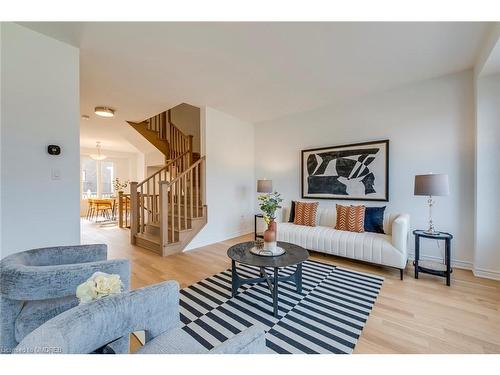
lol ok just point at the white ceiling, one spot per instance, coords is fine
(254, 71)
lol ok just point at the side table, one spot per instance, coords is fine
(446, 237)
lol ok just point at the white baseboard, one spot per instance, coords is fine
(454, 262)
(485, 273)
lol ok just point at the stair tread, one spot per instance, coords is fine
(176, 229)
(149, 237)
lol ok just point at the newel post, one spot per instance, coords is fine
(120, 209)
(164, 215)
(134, 212)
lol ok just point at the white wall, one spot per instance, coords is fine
(487, 247)
(153, 158)
(187, 118)
(228, 144)
(40, 106)
(430, 126)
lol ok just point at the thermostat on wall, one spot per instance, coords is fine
(54, 150)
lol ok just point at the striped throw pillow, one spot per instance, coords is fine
(305, 213)
(350, 218)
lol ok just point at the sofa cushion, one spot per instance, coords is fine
(291, 219)
(350, 218)
(326, 216)
(35, 313)
(374, 219)
(173, 342)
(305, 213)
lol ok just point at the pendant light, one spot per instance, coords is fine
(98, 156)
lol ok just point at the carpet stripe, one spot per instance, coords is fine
(334, 315)
(335, 308)
(234, 316)
(223, 323)
(324, 321)
(311, 337)
(357, 286)
(359, 276)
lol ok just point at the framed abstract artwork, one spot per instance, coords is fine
(357, 172)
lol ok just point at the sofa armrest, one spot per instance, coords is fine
(27, 283)
(400, 228)
(250, 341)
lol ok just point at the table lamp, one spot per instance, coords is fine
(264, 186)
(431, 185)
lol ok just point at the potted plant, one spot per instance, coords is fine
(269, 203)
(119, 186)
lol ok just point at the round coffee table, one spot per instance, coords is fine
(294, 255)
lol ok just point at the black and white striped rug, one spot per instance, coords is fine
(327, 317)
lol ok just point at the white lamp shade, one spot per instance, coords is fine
(264, 186)
(432, 184)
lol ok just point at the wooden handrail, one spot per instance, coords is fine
(186, 171)
(164, 168)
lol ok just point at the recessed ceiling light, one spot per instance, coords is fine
(104, 111)
(85, 117)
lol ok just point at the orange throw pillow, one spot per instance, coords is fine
(350, 218)
(305, 213)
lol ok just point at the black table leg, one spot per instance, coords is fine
(255, 228)
(417, 255)
(448, 261)
(298, 278)
(275, 292)
(234, 279)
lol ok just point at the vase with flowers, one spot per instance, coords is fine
(269, 203)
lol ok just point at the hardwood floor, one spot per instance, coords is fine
(409, 316)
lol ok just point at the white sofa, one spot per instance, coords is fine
(389, 249)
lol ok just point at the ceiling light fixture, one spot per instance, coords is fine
(98, 156)
(85, 117)
(104, 111)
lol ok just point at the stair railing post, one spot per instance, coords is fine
(163, 215)
(190, 148)
(120, 209)
(202, 181)
(134, 211)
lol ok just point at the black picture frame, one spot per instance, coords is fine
(385, 197)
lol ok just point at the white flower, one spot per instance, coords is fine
(86, 291)
(105, 285)
(97, 286)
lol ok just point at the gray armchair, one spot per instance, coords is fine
(153, 309)
(36, 285)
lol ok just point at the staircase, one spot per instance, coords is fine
(167, 209)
